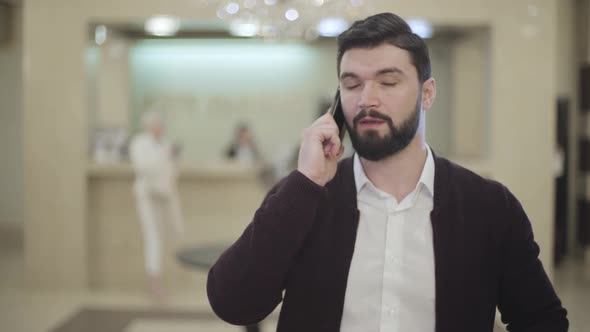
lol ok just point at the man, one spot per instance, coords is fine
(395, 238)
(156, 194)
(243, 148)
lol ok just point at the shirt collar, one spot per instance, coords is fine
(426, 177)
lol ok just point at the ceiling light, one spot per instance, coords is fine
(420, 27)
(243, 29)
(292, 14)
(332, 26)
(162, 26)
(232, 8)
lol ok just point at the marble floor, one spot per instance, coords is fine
(23, 310)
(572, 284)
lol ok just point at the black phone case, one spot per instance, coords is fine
(338, 114)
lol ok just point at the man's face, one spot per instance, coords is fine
(381, 98)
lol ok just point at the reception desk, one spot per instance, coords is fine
(218, 202)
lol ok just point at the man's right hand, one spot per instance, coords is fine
(320, 150)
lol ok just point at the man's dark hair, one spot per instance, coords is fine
(386, 28)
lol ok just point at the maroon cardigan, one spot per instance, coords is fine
(302, 239)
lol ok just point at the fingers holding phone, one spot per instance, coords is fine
(331, 138)
(321, 148)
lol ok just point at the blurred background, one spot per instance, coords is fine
(77, 79)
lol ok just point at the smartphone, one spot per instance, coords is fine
(338, 114)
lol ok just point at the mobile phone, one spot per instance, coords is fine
(338, 114)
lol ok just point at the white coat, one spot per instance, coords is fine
(156, 195)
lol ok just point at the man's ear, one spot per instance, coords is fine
(428, 93)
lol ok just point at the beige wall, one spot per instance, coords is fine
(470, 107)
(521, 121)
(11, 203)
(112, 83)
(522, 113)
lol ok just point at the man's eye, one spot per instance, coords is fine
(351, 86)
(389, 83)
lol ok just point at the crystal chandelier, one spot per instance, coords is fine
(291, 19)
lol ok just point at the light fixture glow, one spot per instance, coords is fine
(292, 14)
(100, 34)
(244, 29)
(232, 8)
(332, 26)
(420, 27)
(162, 26)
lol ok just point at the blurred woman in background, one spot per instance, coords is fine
(156, 193)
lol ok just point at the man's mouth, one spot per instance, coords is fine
(370, 122)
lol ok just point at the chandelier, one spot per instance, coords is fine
(291, 19)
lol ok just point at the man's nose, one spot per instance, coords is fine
(369, 96)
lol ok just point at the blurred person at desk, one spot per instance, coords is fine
(243, 148)
(158, 204)
(395, 238)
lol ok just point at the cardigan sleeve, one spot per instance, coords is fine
(527, 300)
(246, 283)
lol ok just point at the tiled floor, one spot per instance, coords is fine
(572, 283)
(143, 320)
(150, 325)
(35, 311)
(52, 311)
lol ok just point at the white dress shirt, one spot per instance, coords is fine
(391, 279)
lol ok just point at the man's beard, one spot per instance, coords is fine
(371, 146)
